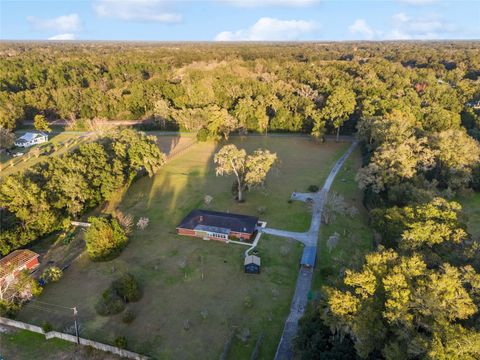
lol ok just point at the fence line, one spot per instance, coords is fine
(71, 338)
(177, 152)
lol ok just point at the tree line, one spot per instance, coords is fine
(48, 195)
(219, 88)
(416, 296)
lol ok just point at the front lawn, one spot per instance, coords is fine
(195, 291)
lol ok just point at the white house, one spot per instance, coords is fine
(29, 139)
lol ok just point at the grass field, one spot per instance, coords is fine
(65, 141)
(26, 345)
(355, 236)
(187, 279)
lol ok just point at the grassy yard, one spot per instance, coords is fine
(26, 345)
(64, 141)
(355, 236)
(187, 279)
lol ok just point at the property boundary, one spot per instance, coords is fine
(71, 338)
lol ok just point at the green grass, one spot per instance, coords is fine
(23, 344)
(213, 278)
(356, 237)
(471, 208)
(10, 165)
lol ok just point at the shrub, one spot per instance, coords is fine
(120, 342)
(202, 135)
(248, 302)
(128, 316)
(142, 223)
(313, 188)
(127, 288)
(46, 326)
(105, 239)
(52, 274)
(109, 304)
(126, 220)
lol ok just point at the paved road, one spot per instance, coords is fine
(305, 276)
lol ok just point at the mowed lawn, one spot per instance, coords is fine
(355, 238)
(195, 282)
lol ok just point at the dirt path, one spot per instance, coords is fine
(305, 276)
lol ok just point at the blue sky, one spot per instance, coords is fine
(238, 20)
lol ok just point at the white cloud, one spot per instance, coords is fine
(136, 10)
(361, 27)
(269, 29)
(66, 36)
(259, 3)
(67, 23)
(418, 2)
(418, 28)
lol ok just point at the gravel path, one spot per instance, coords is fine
(305, 276)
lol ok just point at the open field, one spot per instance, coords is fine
(187, 279)
(355, 236)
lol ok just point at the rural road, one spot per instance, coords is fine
(305, 276)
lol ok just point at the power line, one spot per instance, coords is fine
(50, 304)
(47, 310)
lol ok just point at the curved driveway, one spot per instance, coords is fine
(308, 238)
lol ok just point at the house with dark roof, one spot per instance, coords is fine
(215, 225)
(15, 262)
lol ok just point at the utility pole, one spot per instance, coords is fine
(75, 316)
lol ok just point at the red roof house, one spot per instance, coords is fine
(214, 225)
(15, 262)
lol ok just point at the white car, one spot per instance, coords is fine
(17, 154)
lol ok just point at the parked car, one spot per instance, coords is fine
(17, 154)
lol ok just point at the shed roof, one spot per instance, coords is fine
(15, 259)
(309, 256)
(252, 259)
(216, 219)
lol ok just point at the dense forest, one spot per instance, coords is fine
(414, 106)
(309, 88)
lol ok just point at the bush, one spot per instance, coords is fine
(109, 304)
(46, 326)
(128, 316)
(105, 239)
(313, 188)
(248, 302)
(202, 135)
(52, 274)
(120, 342)
(127, 288)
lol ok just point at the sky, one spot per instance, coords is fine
(239, 20)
